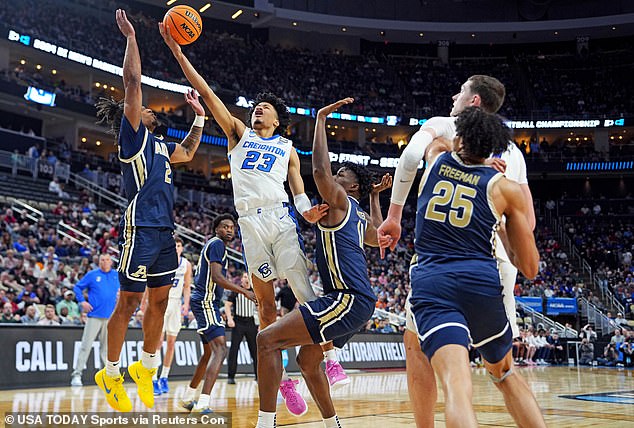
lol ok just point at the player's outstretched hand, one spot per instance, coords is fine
(389, 232)
(124, 25)
(325, 111)
(167, 37)
(386, 183)
(249, 295)
(315, 213)
(497, 164)
(191, 97)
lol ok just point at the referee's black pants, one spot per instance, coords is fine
(245, 327)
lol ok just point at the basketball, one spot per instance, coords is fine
(185, 24)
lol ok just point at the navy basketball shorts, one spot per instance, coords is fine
(147, 257)
(210, 323)
(462, 309)
(336, 316)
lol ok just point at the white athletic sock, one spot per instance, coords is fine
(284, 375)
(203, 401)
(165, 372)
(112, 368)
(190, 394)
(155, 376)
(266, 420)
(332, 422)
(331, 355)
(150, 361)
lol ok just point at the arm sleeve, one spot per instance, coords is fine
(131, 143)
(408, 165)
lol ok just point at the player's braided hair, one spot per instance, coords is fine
(222, 217)
(283, 116)
(482, 133)
(110, 111)
(365, 177)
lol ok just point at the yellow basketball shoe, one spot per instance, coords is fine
(143, 379)
(116, 396)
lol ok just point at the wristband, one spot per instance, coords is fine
(302, 203)
(199, 121)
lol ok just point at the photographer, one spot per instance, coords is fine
(610, 356)
(587, 352)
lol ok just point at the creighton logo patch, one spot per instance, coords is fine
(617, 397)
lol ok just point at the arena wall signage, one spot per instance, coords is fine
(44, 356)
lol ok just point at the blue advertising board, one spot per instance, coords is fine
(561, 305)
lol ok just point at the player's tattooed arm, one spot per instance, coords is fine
(184, 152)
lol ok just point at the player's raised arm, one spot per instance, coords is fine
(131, 71)
(232, 127)
(376, 217)
(184, 152)
(419, 147)
(330, 191)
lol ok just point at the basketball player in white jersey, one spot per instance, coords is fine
(179, 292)
(487, 93)
(261, 161)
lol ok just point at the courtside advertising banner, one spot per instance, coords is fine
(39, 356)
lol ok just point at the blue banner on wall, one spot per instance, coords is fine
(534, 303)
(561, 305)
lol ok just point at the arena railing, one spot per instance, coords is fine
(26, 210)
(602, 324)
(538, 318)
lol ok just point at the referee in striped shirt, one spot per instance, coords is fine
(242, 323)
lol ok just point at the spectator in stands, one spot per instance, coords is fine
(588, 333)
(619, 320)
(63, 317)
(610, 356)
(617, 338)
(137, 321)
(102, 287)
(49, 316)
(31, 316)
(27, 295)
(557, 348)
(586, 352)
(627, 348)
(8, 317)
(385, 327)
(71, 306)
(34, 151)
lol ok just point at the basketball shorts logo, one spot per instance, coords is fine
(141, 272)
(265, 270)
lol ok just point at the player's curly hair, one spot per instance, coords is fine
(365, 177)
(283, 115)
(110, 112)
(222, 217)
(482, 133)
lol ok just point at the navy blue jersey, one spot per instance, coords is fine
(205, 289)
(340, 255)
(455, 221)
(147, 177)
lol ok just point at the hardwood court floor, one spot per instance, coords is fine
(380, 399)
